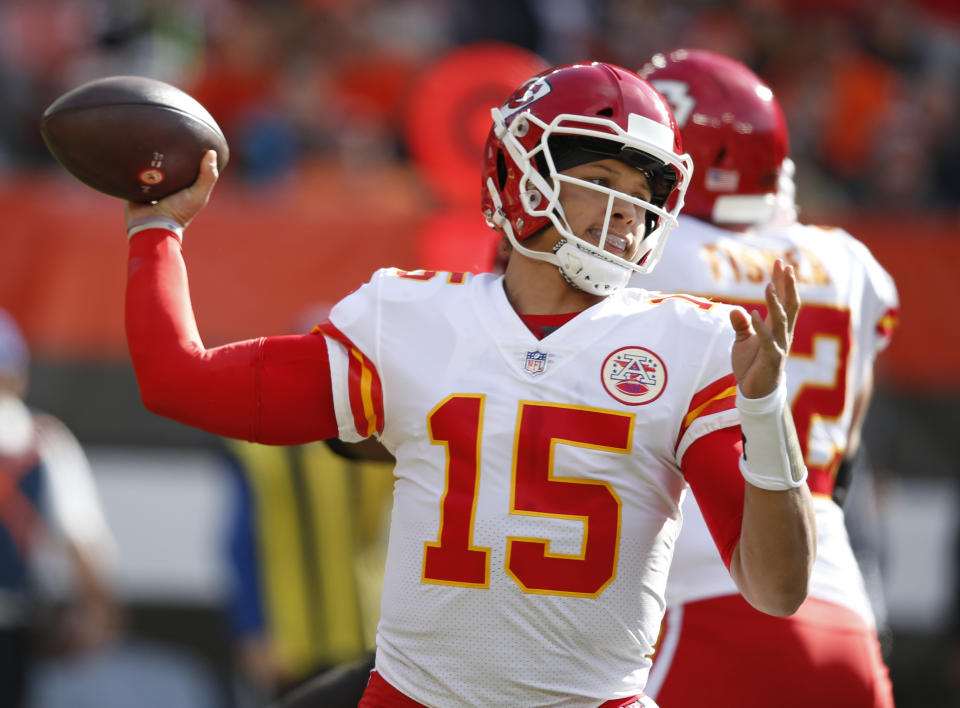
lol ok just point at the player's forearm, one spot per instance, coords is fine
(165, 347)
(774, 557)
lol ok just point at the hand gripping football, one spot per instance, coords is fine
(131, 137)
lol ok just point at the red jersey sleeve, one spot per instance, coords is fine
(711, 465)
(274, 390)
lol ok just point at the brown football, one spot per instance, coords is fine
(131, 137)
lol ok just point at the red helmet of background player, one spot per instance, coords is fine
(568, 116)
(733, 127)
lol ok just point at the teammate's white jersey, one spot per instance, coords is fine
(538, 482)
(848, 311)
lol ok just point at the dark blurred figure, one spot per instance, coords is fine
(513, 21)
(951, 660)
(46, 494)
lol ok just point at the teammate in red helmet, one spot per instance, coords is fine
(739, 218)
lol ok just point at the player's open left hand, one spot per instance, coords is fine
(762, 345)
(181, 206)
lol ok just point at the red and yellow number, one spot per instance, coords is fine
(815, 400)
(453, 559)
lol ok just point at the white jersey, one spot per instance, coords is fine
(538, 482)
(848, 310)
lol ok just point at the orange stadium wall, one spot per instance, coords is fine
(258, 258)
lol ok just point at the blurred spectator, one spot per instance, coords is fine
(238, 83)
(513, 21)
(861, 92)
(46, 493)
(50, 46)
(951, 658)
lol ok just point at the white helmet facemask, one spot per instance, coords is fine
(586, 265)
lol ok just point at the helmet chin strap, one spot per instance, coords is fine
(587, 271)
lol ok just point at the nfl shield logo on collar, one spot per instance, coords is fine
(536, 363)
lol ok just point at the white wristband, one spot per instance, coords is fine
(135, 226)
(771, 452)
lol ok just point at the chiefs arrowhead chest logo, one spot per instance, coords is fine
(634, 375)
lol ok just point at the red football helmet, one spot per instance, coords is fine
(567, 116)
(734, 129)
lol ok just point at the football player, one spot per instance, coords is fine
(739, 219)
(48, 501)
(545, 422)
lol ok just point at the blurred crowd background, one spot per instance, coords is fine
(869, 88)
(327, 106)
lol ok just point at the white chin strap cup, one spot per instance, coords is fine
(771, 451)
(588, 271)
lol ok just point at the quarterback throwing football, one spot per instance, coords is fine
(546, 423)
